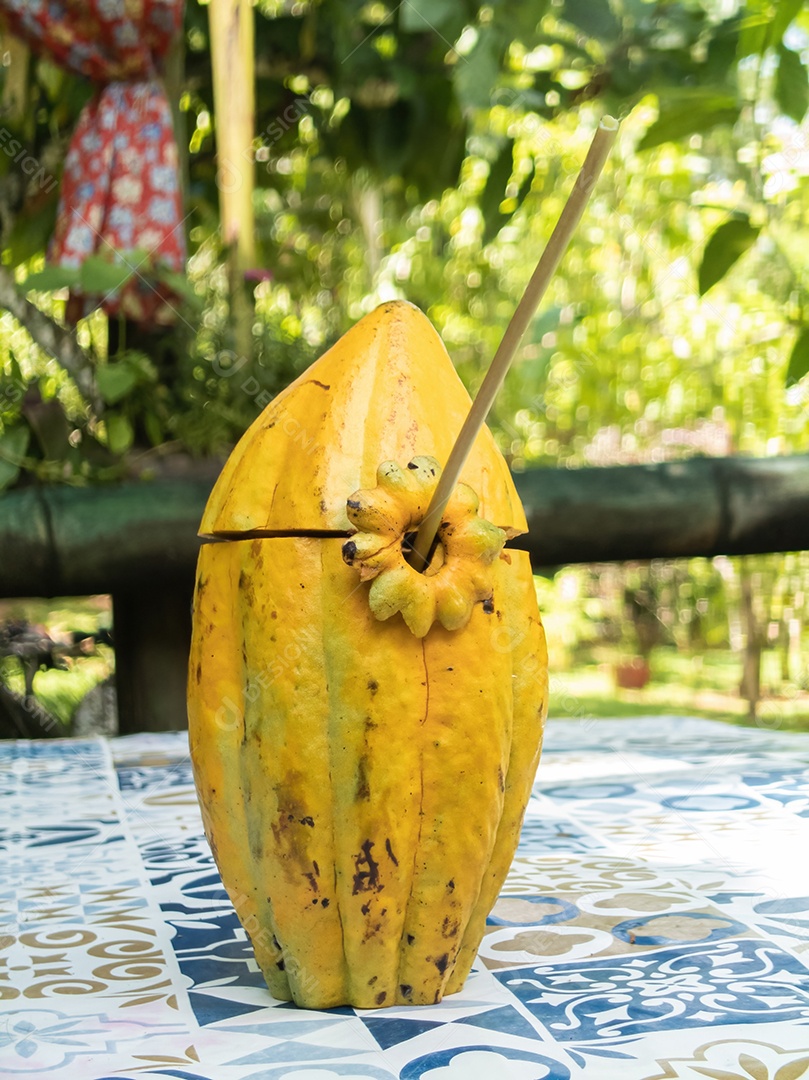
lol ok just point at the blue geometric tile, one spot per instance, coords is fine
(461, 1062)
(166, 776)
(642, 931)
(540, 836)
(505, 1019)
(354, 1071)
(593, 790)
(208, 1008)
(294, 1051)
(731, 982)
(549, 909)
(397, 1030)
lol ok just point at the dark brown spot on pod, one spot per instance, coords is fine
(381, 997)
(488, 606)
(349, 552)
(441, 963)
(308, 821)
(412, 465)
(373, 685)
(362, 790)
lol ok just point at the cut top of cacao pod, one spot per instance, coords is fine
(459, 572)
(387, 391)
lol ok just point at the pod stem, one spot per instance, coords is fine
(535, 290)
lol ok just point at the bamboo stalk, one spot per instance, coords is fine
(232, 31)
(557, 245)
(14, 103)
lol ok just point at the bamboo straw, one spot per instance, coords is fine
(560, 238)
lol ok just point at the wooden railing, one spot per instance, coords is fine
(138, 542)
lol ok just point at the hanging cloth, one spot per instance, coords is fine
(120, 189)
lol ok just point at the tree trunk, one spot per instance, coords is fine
(750, 687)
(152, 637)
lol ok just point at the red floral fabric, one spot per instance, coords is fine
(120, 192)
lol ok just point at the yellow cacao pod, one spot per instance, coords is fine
(364, 737)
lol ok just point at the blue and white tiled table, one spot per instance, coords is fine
(655, 924)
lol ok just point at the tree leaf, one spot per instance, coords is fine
(785, 12)
(594, 17)
(153, 428)
(31, 231)
(725, 247)
(51, 278)
(115, 381)
(689, 112)
(418, 16)
(791, 84)
(755, 29)
(799, 358)
(476, 75)
(179, 284)
(13, 446)
(495, 191)
(98, 275)
(120, 433)
(525, 183)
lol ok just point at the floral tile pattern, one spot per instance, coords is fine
(654, 926)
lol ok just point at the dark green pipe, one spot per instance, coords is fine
(61, 541)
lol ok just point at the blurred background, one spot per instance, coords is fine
(424, 151)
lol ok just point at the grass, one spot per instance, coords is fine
(61, 691)
(705, 685)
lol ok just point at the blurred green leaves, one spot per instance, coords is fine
(799, 358)
(725, 247)
(13, 447)
(427, 154)
(690, 111)
(791, 84)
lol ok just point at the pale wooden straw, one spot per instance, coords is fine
(560, 238)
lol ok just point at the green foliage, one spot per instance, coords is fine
(727, 244)
(689, 111)
(13, 446)
(791, 84)
(116, 380)
(425, 150)
(799, 358)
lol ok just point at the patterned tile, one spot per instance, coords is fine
(654, 924)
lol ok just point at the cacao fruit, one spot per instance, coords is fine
(364, 737)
